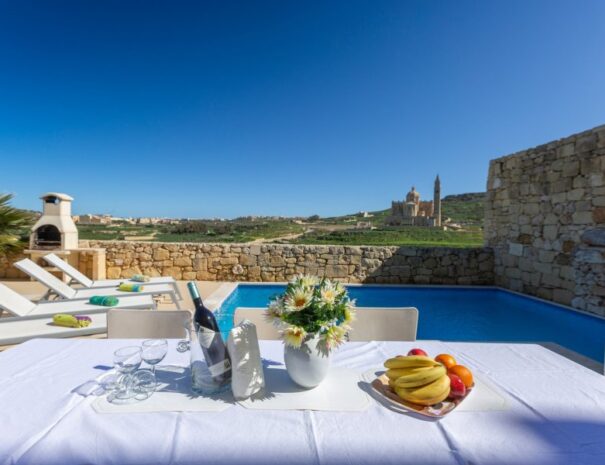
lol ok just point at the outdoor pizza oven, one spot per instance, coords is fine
(55, 230)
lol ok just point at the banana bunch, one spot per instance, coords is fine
(418, 379)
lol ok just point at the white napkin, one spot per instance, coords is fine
(247, 376)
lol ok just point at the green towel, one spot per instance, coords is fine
(128, 287)
(104, 300)
(140, 278)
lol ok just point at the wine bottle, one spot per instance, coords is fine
(215, 350)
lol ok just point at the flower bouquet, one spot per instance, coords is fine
(312, 308)
(313, 317)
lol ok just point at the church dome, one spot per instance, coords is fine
(412, 196)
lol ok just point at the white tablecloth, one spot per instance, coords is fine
(556, 415)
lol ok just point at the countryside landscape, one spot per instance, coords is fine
(463, 227)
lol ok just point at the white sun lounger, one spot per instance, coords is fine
(64, 291)
(80, 278)
(21, 307)
(34, 320)
(24, 329)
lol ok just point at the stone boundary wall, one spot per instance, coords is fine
(545, 220)
(7, 270)
(274, 262)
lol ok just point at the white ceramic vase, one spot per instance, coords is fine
(306, 365)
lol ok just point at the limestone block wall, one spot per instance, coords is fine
(7, 270)
(545, 220)
(273, 262)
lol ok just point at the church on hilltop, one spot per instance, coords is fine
(416, 212)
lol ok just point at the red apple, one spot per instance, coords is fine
(457, 387)
(418, 352)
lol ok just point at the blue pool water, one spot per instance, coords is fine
(461, 314)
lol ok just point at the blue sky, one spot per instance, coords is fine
(203, 109)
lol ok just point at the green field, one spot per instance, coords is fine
(466, 210)
(407, 235)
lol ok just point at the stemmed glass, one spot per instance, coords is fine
(153, 352)
(127, 360)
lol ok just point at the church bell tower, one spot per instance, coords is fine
(437, 202)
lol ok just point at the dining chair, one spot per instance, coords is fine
(264, 329)
(384, 324)
(371, 323)
(137, 324)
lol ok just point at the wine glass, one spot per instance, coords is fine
(126, 360)
(153, 351)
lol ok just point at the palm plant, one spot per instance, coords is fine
(12, 225)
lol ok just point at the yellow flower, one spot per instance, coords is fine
(298, 299)
(335, 336)
(349, 315)
(306, 280)
(294, 336)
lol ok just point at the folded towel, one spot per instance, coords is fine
(128, 287)
(104, 300)
(140, 278)
(71, 321)
(247, 376)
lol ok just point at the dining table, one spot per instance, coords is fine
(550, 410)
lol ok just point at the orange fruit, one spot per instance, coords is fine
(463, 373)
(446, 360)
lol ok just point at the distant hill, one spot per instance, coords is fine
(464, 208)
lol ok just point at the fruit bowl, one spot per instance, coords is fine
(381, 387)
(429, 386)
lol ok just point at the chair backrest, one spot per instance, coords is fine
(147, 324)
(69, 270)
(264, 329)
(385, 324)
(371, 324)
(42, 276)
(14, 303)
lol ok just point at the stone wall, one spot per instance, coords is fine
(545, 220)
(7, 270)
(273, 262)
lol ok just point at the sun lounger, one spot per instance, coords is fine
(63, 291)
(80, 278)
(32, 320)
(24, 329)
(21, 307)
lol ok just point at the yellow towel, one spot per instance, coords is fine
(128, 287)
(71, 321)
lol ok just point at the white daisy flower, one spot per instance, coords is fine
(298, 299)
(294, 336)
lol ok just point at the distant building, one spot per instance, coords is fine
(93, 219)
(364, 225)
(415, 212)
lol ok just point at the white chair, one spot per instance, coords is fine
(64, 291)
(264, 329)
(384, 324)
(371, 324)
(129, 324)
(80, 278)
(32, 320)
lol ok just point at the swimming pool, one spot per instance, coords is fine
(461, 314)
